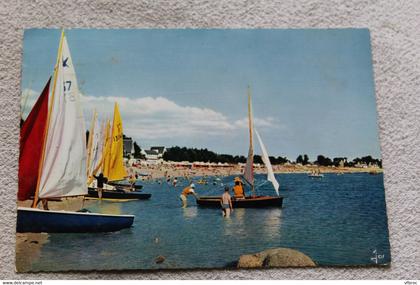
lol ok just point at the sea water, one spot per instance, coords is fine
(336, 220)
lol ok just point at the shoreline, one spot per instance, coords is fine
(28, 245)
(173, 170)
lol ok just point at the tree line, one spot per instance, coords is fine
(177, 153)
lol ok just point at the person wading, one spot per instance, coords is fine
(101, 180)
(187, 191)
(226, 203)
(238, 189)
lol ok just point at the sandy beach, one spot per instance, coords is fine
(28, 245)
(174, 170)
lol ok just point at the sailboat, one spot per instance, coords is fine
(253, 201)
(52, 161)
(113, 165)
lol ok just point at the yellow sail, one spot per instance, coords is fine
(114, 169)
(106, 155)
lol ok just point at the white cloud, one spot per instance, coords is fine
(154, 118)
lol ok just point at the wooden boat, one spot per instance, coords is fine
(252, 201)
(53, 157)
(119, 194)
(37, 221)
(248, 202)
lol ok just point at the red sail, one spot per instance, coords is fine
(31, 144)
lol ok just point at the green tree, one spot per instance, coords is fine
(137, 151)
(323, 161)
(305, 159)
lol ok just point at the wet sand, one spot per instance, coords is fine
(28, 245)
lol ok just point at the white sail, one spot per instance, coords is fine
(63, 171)
(266, 160)
(97, 145)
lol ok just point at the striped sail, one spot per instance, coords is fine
(63, 171)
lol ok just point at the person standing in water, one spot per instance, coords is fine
(189, 190)
(175, 181)
(100, 186)
(226, 203)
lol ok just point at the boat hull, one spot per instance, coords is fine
(316, 176)
(121, 195)
(124, 184)
(37, 221)
(248, 202)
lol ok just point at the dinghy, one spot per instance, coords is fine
(119, 194)
(53, 158)
(316, 174)
(36, 221)
(252, 201)
(125, 184)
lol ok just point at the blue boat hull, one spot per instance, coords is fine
(36, 221)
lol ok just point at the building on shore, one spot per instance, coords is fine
(154, 155)
(128, 147)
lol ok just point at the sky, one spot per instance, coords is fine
(312, 90)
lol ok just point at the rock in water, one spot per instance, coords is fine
(160, 259)
(277, 257)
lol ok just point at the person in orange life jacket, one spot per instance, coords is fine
(238, 189)
(189, 190)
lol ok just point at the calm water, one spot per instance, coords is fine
(337, 220)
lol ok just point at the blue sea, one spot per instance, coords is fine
(336, 220)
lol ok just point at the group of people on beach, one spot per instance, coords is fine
(226, 199)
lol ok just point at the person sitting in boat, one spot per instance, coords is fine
(238, 189)
(226, 203)
(100, 186)
(189, 190)
(132, 180)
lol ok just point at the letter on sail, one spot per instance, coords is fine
(266, 160)
(64, 166)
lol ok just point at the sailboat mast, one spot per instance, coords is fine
(41, 162)
(251, 145)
